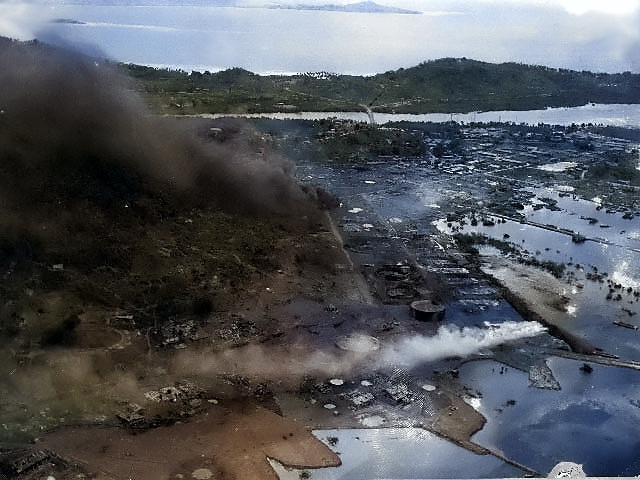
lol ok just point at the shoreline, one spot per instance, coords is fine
(628, 115)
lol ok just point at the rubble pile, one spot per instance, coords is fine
(167, 405)
(397, 283)
(239, 332)
(29, 463)
(178, 333)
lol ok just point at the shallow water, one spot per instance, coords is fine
(621, 115)
(592, 420)
(621, 263)
(602, 275)
(586, 217)
(400, 453)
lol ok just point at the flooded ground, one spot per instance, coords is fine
(561, 245)
(520, 245)
(592, 416)
(400, 453)
(178, 305)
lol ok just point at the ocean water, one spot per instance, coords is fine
(261, 40)
(201, 37)
(207, 35)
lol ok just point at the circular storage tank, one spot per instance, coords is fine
(427, 311)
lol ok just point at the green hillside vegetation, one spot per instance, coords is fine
(446, 85)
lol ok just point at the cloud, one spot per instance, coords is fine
(20, 21)
(611, 7)
(574, 7)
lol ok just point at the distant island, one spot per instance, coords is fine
(448, 85)
(359, 7)
(68, 21)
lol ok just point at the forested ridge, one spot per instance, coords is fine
(445, 85)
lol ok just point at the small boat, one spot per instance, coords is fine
(625, 325)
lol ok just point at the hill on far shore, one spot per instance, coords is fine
(450, 85)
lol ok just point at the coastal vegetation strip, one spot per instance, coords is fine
(449, 85)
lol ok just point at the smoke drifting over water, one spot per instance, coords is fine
(291, 363)
(452, 341)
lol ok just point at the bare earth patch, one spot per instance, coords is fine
(543, 294)
(231, 441)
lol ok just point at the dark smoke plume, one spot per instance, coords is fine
(71, 126)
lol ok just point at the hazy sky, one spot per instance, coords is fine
(576, 34)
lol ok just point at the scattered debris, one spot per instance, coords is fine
(567, 470)
(177, 333)
(586, 368)
(541, 376)
(133, 417)
(27, 463)
(182, 400)
(400, 393)
(359, 400)
(21, 460)
(239, 332)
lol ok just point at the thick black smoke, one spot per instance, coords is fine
(71, 126)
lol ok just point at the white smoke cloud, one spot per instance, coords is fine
(452, 341)
(290, 363)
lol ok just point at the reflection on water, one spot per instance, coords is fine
(399, 453)
(602, 274)
(586, 217)
(551, 245)
(592, 420)
(602, 279)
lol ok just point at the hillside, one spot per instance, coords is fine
(125, 238)
(446, 85)
(113, 209)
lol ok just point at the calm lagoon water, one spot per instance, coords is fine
(259, 39)
(621, 115)
(614, 250)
